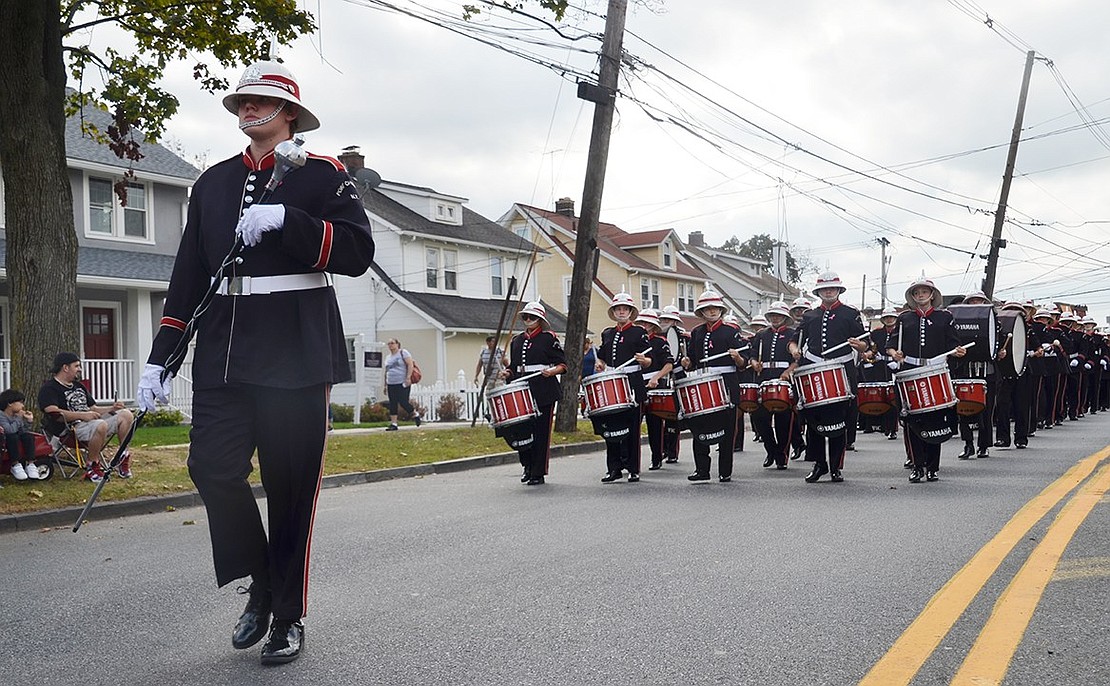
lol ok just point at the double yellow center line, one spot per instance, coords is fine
(992, 652)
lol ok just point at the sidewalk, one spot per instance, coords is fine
(28, 521)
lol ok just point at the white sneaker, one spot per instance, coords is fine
(18, 473)
(32, 471)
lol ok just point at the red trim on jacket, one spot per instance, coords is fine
(173, 323)
(266, 162)
(325, 246)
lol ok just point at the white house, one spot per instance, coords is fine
(745, 280)
(439, 284)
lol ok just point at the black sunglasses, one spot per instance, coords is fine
(529, 317)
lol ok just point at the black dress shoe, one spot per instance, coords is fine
(915, 476)
(1021, 446)
(254, 621)
(671, 460)
(610, 477)
(781, 466)
(851, 447)
(798, 453)
(285, 643)
(633, 478)
(892, 436)
(819, 470)
(536, 481)
(982, 453)
(908, 464)
(836, 476)
(769, 461)
(697, 476)
(968, 451)
(725, 479)
(931, 476)
(1002, 444)
(655, 465)
(525, 477)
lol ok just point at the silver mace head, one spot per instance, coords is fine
(289, 155)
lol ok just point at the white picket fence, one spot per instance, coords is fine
(429, 396)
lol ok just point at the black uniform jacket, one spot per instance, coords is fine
(923, 335)
(769, 346)
(539, 347)
(618, 345)
(288, 339)
(660, 356)
(827, 327)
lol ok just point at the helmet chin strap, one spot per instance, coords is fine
(264, 120)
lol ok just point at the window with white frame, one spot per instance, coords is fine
(668, 255)
(566, 293)
(686, 297)
(450, 270)
(351, 349)
(431, 267)
(497, 275)
(649, 293)
(108, 218)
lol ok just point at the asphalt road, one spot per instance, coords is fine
(472, 578)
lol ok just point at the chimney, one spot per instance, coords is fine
(697, 238)
(352, 159)
(565, 207)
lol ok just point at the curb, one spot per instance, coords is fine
(28, 521)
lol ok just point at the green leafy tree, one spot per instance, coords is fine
(42, 47)
(762, 247)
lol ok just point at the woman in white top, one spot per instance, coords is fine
(398, 380)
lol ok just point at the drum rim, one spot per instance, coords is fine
(922, 371)
(597, 377)
(509, 388)
(808, 369)
(699, 378)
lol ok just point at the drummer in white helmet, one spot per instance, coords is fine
(670, 319)
(976, 431)
(656, 375)
(922, 334)
(875, 366)
(619, 345)
(771, 361)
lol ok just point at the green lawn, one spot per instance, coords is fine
(160, 470)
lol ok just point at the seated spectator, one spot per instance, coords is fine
(64, 400)
(15, 420)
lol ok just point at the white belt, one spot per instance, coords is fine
(720, 370)
(776, 365)
(263, 285)
(1073, 356)
(816, 358)
(534, 367)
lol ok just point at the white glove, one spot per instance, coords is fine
(257, 220)
(1103, 364)
(152, 387)
(1074, 364)
(1087, 366)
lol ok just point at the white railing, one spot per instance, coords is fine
(429, 396)
(108, 379)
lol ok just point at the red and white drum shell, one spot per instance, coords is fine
(748, 400)
(776, 395)
(662, 403)
(925, 389)
(971, 396)
(511, 404)
(820, 384)
(608, 392)
(700, 394)
(875, 397)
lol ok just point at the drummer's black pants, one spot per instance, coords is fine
(671, 432)
(657, 437)
(625, 453)
(1015, 396)
(776, 430)
(535, 458)
(982, 422)
(702, 461)
(924, 455)
(288, 427)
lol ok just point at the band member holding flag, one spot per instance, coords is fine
(270, 346)
(825, 334)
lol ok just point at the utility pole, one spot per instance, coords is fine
(863, 295)
(883, 242)
(603, 95)
(1007, 177)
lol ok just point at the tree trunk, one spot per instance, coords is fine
(41, 259)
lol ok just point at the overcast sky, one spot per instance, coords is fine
(830, 124)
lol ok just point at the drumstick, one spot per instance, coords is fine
(938, 358)
(633, 359)
(838, 347)
(725, 353)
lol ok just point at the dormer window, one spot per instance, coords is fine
(668, 255)
(447, 213)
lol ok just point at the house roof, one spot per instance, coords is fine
(474, 228)
(612, 241)
(763, 283)
(156, 158)
(116, 264)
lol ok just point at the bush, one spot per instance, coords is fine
(342, 413)
(450, 407)
(163, 417)
(374, 412)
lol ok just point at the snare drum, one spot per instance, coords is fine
(662, 403)
(607, 392)
(971, 396)
(925, 389)
(749, 397)
(875, 398)
(700, 394)
(776, 395)
(823, 383)
(511, 404)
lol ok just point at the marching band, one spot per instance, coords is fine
(810, 374)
